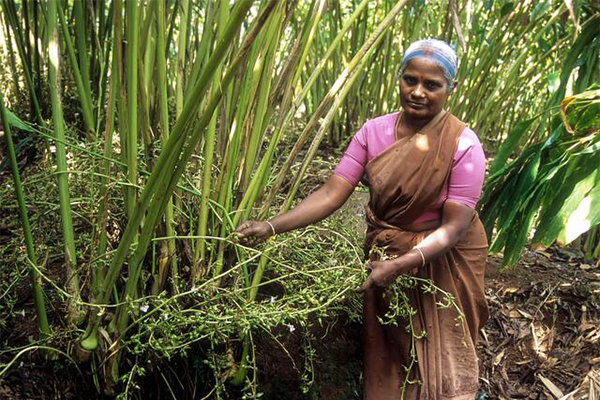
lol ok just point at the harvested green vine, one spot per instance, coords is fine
(400, 307)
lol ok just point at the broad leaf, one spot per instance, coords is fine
(584, 215)
(15, 122)
(509, 145)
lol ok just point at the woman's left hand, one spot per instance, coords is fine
(383, 274)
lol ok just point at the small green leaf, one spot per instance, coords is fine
(506, 9)
(580, 214)
(539, 8)
(581, 112)
(553, 82)
(509, 145)
(15, 122)
(553, 215)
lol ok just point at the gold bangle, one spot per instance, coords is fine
(422, 255)
(272, 228)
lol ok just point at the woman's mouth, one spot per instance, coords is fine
(417, 106)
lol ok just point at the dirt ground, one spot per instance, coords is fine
(542, 341)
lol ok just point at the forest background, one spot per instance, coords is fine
(139, 134)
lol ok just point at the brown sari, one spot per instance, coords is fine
(405, 180)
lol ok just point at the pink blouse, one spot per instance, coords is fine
(468, 165)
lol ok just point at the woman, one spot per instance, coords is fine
(425, 171)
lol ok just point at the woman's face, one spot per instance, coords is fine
(423, 89)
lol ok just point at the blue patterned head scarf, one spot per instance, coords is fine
(437, 50)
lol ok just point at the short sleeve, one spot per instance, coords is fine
(352, 164)
(468, 170)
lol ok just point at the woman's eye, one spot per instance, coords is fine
(409, 80)
(433, 85)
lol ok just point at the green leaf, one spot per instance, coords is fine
(540, 8)
(582, 111)
(509, 145)
(580, 212)
(525, 183)
(554, 214)
(506, 9)
(519, 234)
(590, 149)
(15, 122)
(589, 32)
(553, 82)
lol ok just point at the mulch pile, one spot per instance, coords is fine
(543, 337)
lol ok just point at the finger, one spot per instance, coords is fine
(366, 285)
(251, 241)
(240, 232)
(245, 239)
(244, 227)
(247, 243)
(247, 231)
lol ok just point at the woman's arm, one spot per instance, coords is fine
(317, 206)
(455, 221)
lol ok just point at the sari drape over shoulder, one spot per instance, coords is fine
(405, 180)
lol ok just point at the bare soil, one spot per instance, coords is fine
(542, 341)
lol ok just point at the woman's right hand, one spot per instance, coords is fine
(251, 233)
(318, 205)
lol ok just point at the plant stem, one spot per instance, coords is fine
(36, 284)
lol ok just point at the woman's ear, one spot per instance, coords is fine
(451, 88)
(454, 84)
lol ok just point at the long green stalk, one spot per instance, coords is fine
(285, 117)
(159, 174)
(72, 280)
(27, 34)
(37, 50)
(159, 202)
(255, 138)
(80, 79)
(144, 105)
(200, 259)
(208, 34)
(36, 284)
(104, 44)
(161, 69)
(314, 20)
(184, 6)
(177, 165)
(81, 43)
(10, 14)
(131, 13)
(147, 84)
(11, 56)
(121, 84)
(102, 218)
(28, 43)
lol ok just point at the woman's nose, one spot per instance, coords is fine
(418, 91)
